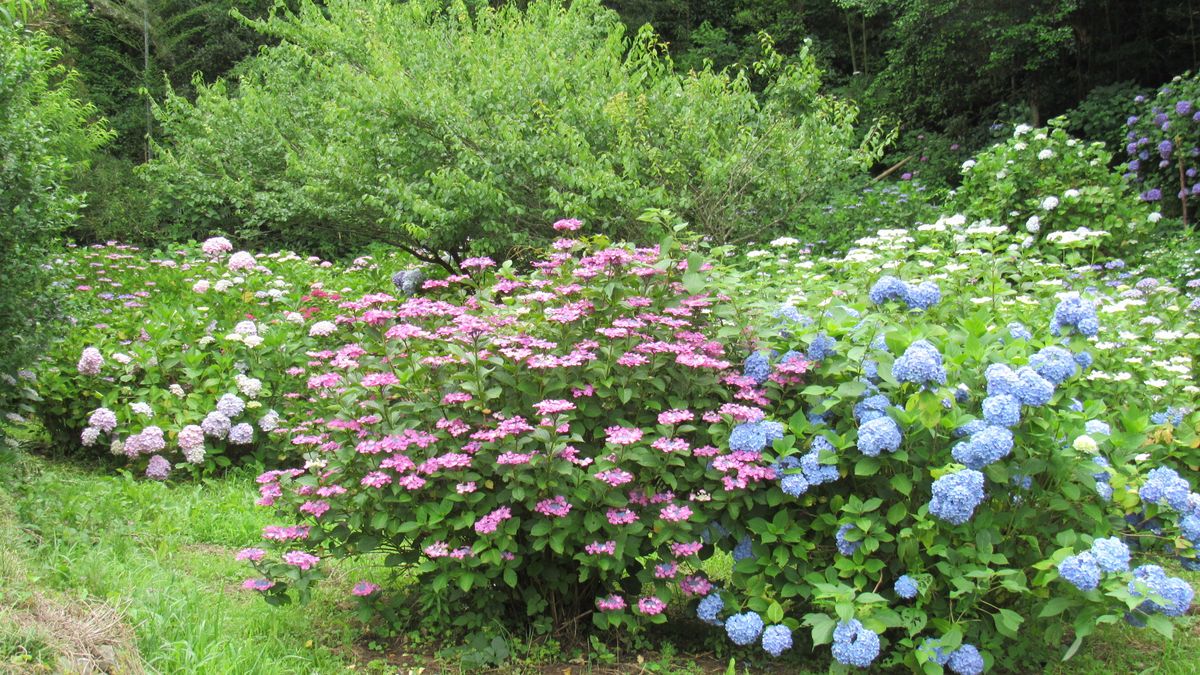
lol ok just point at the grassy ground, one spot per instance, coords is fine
(127, 575)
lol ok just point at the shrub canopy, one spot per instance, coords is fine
(445, 129)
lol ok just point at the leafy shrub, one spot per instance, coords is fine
(164, 341)
(886, 431)
(444, 131)
(1042, 182)
(1163, 146)
(46, 136)
(1102, 114)
(863, 208)
(117, 205)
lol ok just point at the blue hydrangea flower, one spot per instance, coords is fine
(879, 343)
(1034, 390)
(955, 496)
(758, 367)
(1075, 312)
(962, 393)
(748, 437)
(1111, 554)
(923, 296)
(743, 550)
(989, 445)
(1081, 570)
(1104, 490)
(921, 364)
(1054, 363)
(966, 660)
(814, 471)
(854, 644)
(877, 435)
(1018, 331)
(1176, 592)
(937, 654)
(787, 313)
(1093, 427)
(821, 347)
(871, 369)
(794, 484)
(1084, 359)
(906, 587)
(744, 628)
(871, 407)
(1173, 416)
(1002, 410)
(887, 288)
(970, 428)
(844, 546)
(709, 608)
(772, 431)
(1189, 527)
(1001, 380)
(1163, 485)
(1076, 405)
(776, 639)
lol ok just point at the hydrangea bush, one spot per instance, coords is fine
(920, 465)
(189, 358)
(1043, 184)
(1162, 146)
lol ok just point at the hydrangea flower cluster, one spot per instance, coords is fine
(1076, 313)
(920, 296)
(921, 364)
(854, 644)
(955, 496)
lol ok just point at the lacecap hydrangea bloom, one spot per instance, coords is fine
(854, 644)
(955, 496)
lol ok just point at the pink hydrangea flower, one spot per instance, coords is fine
(304, 561)
(364, 588)
(610, 604)
(695, 585)
(551, 406)
(567, 225)
(597, 548)
(666, 570)
(379, 379)
(489, 523)
(683, 550)
(557, 507)
(90, 361)
(676, 416)
(673, 513)
(651, 605)
(623, 435)
(621, 516)
(257, 584)
(251, 554)
(477, 263)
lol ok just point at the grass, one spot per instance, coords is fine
(132, 575)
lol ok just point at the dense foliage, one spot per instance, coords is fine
(442, 131)
(46, 136)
